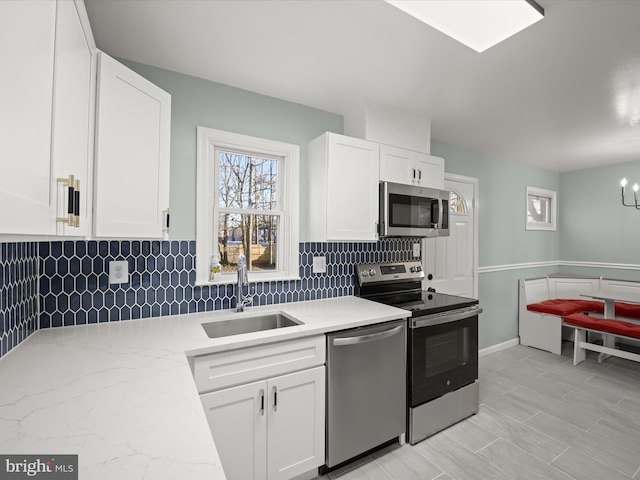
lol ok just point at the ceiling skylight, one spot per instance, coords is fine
(478, 24)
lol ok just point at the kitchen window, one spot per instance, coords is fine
(247, 203)
(541, 209)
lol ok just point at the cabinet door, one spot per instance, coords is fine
(238, 423)
(132, 153)
(430, 171)
(296, 423)
(26, 93)
(397, 165)
(72, 114)
(352, 189)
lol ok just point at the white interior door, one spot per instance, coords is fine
(450, 263)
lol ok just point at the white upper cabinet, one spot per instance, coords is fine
(342, 184)
(407, 167)
(73, 102)
(133, 128)
(47, 99)
(27, 32)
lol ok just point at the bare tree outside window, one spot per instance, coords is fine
(248, 213)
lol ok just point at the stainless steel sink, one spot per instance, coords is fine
(256, 323)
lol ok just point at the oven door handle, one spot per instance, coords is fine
(372, 337)
(439, 319)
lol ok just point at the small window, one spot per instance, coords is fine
(541, 209)
(247, 192)
(457, 204)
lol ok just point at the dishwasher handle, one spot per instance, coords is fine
(372, 337)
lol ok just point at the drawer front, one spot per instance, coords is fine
(235, 367)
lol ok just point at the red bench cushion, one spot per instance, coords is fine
(562, 307)
(627, 310)
(618, 327)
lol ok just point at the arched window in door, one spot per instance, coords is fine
(457, 205)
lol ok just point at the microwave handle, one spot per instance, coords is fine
(384, 209)
(436, 221)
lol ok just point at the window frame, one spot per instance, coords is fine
(550, 224)
(463, 202)
(209, 140)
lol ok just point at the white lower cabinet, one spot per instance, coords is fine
(270, 429)
(238, 424)
(295, 423)
(265, 406)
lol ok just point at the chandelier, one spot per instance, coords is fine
(623, 183)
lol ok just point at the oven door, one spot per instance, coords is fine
(443, 354)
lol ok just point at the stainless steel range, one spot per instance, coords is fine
(442, 345)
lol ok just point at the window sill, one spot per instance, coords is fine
(542, 227)
(232, 278)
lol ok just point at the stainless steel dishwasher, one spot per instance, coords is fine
(366, 389)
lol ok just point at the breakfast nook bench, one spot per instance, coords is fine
(545, 302)
(582, 324)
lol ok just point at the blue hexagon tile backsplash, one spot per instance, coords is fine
(18, 293)
(67, 283)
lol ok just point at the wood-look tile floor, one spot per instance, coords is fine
(540, 418)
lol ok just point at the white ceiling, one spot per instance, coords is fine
(563, 94)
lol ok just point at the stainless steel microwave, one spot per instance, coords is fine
(412, 211)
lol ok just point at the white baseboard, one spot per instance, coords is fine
(500, 346)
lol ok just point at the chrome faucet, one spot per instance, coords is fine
(241, 300)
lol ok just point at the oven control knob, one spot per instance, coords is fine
(372, 272)
(418, 268)
(364, 273)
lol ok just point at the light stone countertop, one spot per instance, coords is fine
(121, 395)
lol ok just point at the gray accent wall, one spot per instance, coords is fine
(503, 240)
(197, 102)
(596, 227)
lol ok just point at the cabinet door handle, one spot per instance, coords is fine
(71, 197)
(414, 174)
(419, 175)
(262, 401)
(167, 217)
(275, 398)
(76, 204)
(73, 201)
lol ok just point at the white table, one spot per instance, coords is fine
(609, 302)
